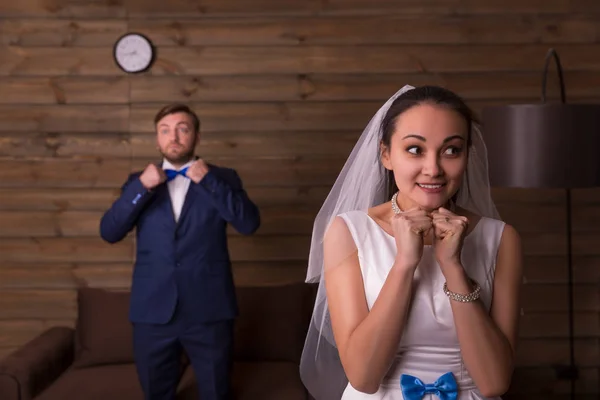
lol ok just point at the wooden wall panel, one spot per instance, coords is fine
(353, 29)
(61, 32)
(345, 59)
(94, 199)
(56, 61)
(348, 87)
(57, 173)
(365, 29)
(270, 116)
(63, 250)
(463, 6)
(283, 89)
(61, 118)
(115, 275)
(81, 145)
(281, 116)
(255, 60)
(38, 199)
(64, 90)
(183, 8)
(259, 144)
(275, 219)
(207, 8)
(63, 9)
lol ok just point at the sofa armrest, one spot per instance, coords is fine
(33, 367)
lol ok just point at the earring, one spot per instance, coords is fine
(395, 207)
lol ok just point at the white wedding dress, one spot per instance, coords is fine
(429, 346)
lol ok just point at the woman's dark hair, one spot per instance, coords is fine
(434, 95)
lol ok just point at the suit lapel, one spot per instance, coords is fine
(190, 197)
(164, 200)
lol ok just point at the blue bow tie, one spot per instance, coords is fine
(444, 387)
(172, 174)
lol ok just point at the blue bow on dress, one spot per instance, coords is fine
(172, 174)
(444, 387)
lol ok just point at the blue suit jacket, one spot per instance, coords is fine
(187, 261)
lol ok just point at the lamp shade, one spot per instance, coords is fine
(543, 145)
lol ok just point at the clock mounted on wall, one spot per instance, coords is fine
(134, 53)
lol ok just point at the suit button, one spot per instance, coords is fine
(178, 264)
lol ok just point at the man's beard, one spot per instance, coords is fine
(181, 159)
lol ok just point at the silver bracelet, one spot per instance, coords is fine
(464, 298)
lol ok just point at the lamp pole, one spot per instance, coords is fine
(571, 371)
(547, 146)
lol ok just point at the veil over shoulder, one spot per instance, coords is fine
(363, 183)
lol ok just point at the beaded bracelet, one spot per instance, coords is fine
(464, 298)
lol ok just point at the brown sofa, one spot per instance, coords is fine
(95, 360)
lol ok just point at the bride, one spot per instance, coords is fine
(419, 279)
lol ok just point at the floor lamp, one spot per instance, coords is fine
(546, 145)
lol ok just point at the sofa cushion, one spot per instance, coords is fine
(254, 380)
(34, 366)
(103, 333)
(114, 382)
(96, 383)
(272, 322)
(267, 381)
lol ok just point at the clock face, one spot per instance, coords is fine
(133, 52)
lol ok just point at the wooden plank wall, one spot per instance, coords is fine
(284, 88)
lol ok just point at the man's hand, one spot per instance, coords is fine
(197, 170)
(152, 176)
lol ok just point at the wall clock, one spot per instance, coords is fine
(134, 52)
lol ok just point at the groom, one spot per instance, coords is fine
(182, 294)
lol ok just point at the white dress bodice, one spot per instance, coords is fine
(429, 345)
